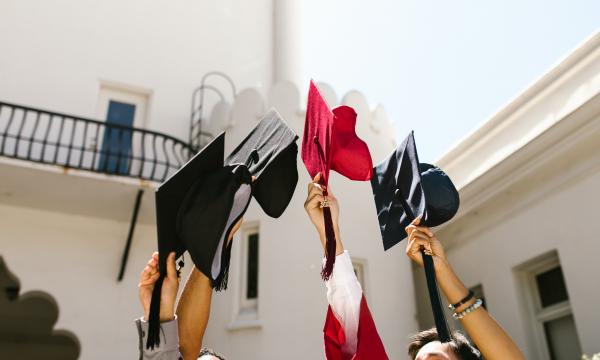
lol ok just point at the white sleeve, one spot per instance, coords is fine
(344, 295)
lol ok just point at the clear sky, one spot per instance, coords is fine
(440, 67)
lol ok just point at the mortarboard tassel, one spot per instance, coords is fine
(154, 317)
(220, 283)
(434, 297)
(330, 243)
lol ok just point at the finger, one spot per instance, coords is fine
(424, 229)
(417, 244)
(315, 181)
(413, 251)
(420, 235)
(315, 190)
(155, 255)
(150, 280)
(145, 273)
(314, 201)
(153, 270)
(171, 270)
(416, 221)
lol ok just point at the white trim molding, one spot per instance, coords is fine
(553, 125)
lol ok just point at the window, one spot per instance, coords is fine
(252, 267)
(359, 266)
(548, 301)
(116, 144)
(121, 106)
(246, 312)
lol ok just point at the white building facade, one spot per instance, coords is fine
(526, 235)
(69, 204)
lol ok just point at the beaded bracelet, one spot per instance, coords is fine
(469, 309)
(463, 301)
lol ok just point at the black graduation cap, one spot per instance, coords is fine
(270, 152)
(197, 207)
(404, 189)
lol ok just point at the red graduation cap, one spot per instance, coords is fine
(330, 143)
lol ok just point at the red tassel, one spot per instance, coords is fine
(330, 244)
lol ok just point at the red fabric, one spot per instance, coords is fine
(341, 149)
(369, 345)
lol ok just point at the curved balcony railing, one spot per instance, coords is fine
(74, 142)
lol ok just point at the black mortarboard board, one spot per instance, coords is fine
(198, 206)
(269, 152)
(404, 189)
(193, 208)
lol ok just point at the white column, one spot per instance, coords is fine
(287, 41)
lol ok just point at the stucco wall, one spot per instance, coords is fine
(76, 260)
(565, 220)
(292, 303)
(55, 54)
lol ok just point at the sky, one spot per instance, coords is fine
(441, 68)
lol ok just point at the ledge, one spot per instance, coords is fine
(244, 324)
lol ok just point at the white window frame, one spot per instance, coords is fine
(536, 313)
(246, 311)
(360, 269)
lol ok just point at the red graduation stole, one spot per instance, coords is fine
(369, 345)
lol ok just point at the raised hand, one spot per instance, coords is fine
(420, 237)
(313, 207)
(170, 285)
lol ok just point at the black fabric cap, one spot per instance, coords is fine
(173, 192)
(197, 207)
(177, 213)
(206, 216)
(403, 189)
(269, 152)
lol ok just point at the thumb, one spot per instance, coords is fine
(417, 221)
(171, 271)
(317, 177)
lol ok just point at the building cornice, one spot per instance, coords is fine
(566, 87)
(544, 140)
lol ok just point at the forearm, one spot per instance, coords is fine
(488, 335)
(193, 312)
(344, 296)
(339, 246)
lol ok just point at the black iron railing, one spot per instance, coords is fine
(199, 137)
(74, 142)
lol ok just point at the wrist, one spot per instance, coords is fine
(167, 316)
(442, 267)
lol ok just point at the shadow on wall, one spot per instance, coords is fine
(26, 324)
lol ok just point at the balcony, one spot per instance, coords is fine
(78, 143)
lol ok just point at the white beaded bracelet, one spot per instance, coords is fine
(469, 308)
